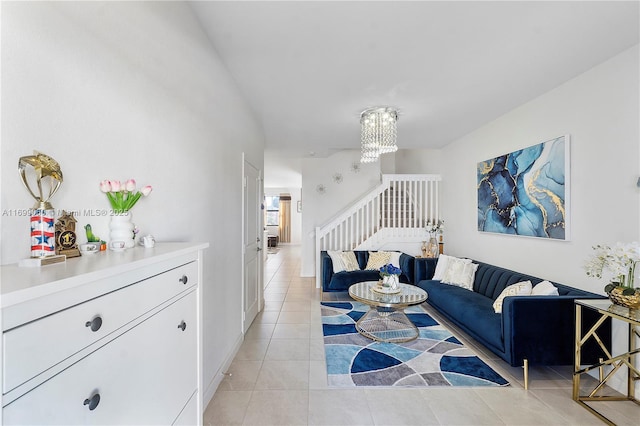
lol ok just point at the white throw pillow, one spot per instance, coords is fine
(455, 271)
(468, 275)
(349, 261)
(336, 260)
(544, 288)
(394, 258)
(377, 259)
(522, 288)
(441, 267)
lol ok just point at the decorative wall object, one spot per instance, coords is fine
(526, 192)
(337, 178)
(321, 189)
(355, 168)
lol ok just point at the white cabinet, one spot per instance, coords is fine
(130, 354)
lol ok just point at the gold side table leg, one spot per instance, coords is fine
(631, 386)
(576, 365)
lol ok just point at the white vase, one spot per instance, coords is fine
(390, 281)
(121, 229)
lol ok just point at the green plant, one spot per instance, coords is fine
(123, 197)
(620, 260)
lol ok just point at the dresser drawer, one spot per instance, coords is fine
(189, 414)
(33, 348)
(145, 376)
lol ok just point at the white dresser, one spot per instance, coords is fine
(108, 338)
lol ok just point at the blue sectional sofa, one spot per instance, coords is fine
(539, 329)
(535, 330)
(341, 281)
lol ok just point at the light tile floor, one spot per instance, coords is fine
(278, 377)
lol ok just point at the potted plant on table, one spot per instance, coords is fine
(390, 276)
(122, 197)
(620, 260)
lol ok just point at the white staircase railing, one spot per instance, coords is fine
(398, 208)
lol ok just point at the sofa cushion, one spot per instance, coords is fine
(469, 308)
(455, 269)
(544, 288)
(377, 259)
(336, 260)
(341, 281)
(394, 258)
(522, 288)
(441, 267)
(349, 260)
(460, 272)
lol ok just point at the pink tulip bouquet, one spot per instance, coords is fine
(123, 197)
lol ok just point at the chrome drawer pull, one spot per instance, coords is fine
(184, 279)
(182, 325)
(92, 402)
(95, 324)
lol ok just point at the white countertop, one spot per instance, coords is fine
(18, 284)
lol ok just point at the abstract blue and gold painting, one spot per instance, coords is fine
(526, 192)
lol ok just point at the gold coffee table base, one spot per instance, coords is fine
(606, 309)
(387, 325)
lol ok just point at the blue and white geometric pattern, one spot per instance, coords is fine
(435, 358)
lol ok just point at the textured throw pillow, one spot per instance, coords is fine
(455, 270)
(336, 260)
(441, 267)
(394, 258)
(349, 260)
(544, 288)
(522, 288)
(465, 279)
(377, 259)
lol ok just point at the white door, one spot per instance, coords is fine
(252, 244)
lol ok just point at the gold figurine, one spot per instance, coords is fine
(44, 166)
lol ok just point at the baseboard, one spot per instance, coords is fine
(212, 387)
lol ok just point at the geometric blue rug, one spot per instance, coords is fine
(435, 358)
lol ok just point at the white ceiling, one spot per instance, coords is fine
(309, 68)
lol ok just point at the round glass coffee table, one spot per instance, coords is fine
(385, 321)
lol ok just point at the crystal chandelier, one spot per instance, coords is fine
(378, 132)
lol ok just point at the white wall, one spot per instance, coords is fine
(114, 90)
(418, 161)
(600, 110)
(317, 209)
(281, 169)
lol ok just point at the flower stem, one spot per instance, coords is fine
(632, 275)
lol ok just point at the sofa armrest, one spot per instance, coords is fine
(407, 265)
(542, 330)
(424, 268)
(326, 268)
